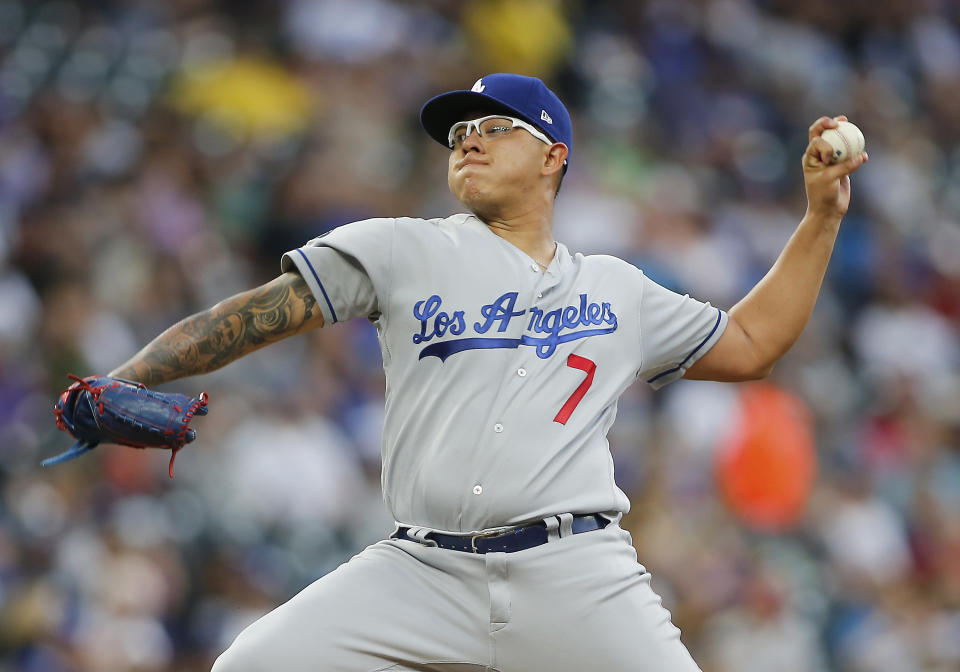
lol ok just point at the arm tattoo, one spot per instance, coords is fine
(233, 328)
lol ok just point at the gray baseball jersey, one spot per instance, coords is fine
(502, 379)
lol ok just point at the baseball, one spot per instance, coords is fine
(846, 139)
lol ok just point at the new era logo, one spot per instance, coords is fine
(478, 86)
(545, 117)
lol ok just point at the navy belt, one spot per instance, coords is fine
(503, 541)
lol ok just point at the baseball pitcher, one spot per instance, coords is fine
(505, 354)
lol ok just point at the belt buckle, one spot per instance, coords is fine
(487, 535)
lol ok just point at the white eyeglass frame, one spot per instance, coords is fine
(517, 123)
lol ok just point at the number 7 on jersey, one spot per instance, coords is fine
(586, 365)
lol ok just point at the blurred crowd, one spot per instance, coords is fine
(156, 157)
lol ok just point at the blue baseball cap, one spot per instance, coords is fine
(526, 98)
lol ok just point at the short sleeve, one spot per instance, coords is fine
(347, 269)
(675, 331)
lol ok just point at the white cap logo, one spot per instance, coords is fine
(544, 116)
(478, 87)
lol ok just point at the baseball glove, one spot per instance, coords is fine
(100, 409)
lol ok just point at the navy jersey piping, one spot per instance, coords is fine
(324, 291)
(692, 352)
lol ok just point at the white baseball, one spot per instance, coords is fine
(846, 139)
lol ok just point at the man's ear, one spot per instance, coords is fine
(555, 157)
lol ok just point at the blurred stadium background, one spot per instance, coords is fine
(156, 157)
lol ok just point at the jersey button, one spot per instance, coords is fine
(534, 267)
(478, 489)
(521, 372)
(498, 428)
(539, 295)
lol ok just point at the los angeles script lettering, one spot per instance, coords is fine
(548, 328)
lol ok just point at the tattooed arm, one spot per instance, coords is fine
(231, 329)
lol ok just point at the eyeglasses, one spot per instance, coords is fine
(494, 126)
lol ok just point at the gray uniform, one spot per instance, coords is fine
(502, 381)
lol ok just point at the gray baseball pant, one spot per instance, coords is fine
(580, 603)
